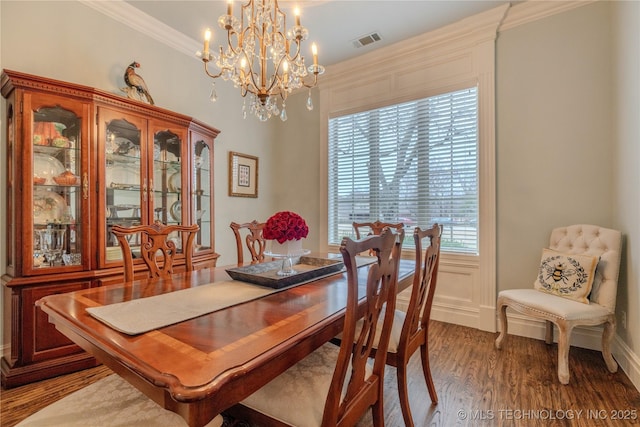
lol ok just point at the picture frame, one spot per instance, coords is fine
(243, 175)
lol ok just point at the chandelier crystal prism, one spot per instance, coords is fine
(262, 57)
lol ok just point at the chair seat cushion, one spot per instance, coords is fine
(297, 396)
(396, 330)
(110, 401)
(528, 300)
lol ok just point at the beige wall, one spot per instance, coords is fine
(555, 148)
(297, 173)
(625, 88)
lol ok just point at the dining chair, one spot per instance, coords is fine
(158, 249)
(335, 386)
(254, 240)
(109, 402)
(576, 285)
(414, 333)
(374, 228)
(410, 330)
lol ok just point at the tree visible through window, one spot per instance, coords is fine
(415, 163)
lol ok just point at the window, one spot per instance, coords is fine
(415, 163)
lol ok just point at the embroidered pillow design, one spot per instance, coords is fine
(566, 275)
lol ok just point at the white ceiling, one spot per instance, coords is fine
(332, 24)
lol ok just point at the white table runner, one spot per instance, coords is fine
(146, 314)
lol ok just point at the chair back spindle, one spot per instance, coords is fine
(375, 228)
(253, 240)
(156, 249)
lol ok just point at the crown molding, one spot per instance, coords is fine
(532, 10)
(481, 25)
(134, 18)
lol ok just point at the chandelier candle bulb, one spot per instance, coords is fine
(230, 7)
(207, 37)
(243, 64)
(314, 50)
(296, 12)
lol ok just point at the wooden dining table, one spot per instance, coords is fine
(202, 366)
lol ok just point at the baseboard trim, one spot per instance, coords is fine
(456, 315)
(629, 361)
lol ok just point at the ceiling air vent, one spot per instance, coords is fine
(366, 40)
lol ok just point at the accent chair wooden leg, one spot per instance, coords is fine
(426, 369)
(607, 339)
(403, 394)
(563, 353)
(548, 336)
(502, 314)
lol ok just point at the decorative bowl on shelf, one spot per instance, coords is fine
(40, 140)
(72, 259)
(67, 178)
(38, 180)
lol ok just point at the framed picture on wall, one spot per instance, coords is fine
(243, 175)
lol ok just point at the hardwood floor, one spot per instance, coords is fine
(477, 386)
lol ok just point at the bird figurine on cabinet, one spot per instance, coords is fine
(136, 87)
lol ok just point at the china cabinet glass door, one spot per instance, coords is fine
(202, 189)
(57, 188)
(124, 189)
(167, 181)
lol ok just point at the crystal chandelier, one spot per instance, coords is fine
(262, 57)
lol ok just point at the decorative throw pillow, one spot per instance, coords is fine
(566, 275)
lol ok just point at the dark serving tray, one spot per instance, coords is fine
(265, 274)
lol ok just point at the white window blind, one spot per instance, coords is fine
(415, 163)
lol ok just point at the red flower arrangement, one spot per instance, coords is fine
(285, 226)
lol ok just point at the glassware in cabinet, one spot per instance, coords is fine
(167, 177)
(124, 190)
(58, 190)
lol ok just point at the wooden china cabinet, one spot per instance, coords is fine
(80, 160)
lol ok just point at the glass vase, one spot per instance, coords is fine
(287, 251)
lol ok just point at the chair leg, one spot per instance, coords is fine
(548, 336)
(563, 353)
(502, 312)
(403, 394)
(426, 369)
(377, 410)
(607, 339)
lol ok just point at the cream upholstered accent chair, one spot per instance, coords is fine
(568, 313)
(157, 248)
(335, 386)
(254, 240)
(109, 402)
